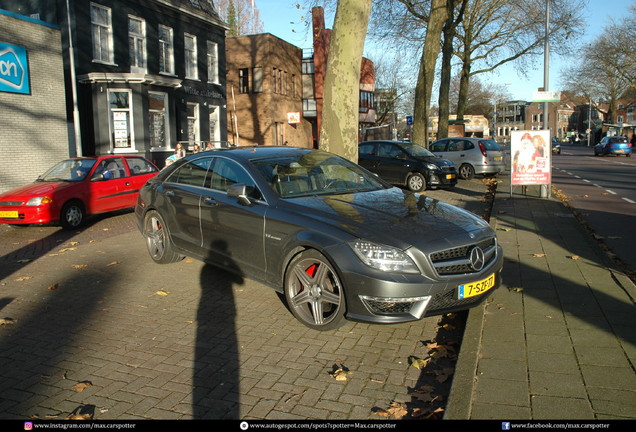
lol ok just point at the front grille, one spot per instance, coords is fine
(456, 261)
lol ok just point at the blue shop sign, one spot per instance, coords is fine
(14, 69)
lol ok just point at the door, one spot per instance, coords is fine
(393, 163)
(108, 186)
(233, 233)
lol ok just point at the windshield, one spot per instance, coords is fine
(315, 173)
(417, 150)
(68, 170)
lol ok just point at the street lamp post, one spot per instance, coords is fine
(546, 77)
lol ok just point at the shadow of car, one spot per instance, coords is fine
(406, 164)
(471, 155)
(615, 145)
(337, 241)
(75, 188)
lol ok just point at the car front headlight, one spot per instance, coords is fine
(432, 167)
(384, 258)
(39, 201)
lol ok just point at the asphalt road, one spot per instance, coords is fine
(602, 191)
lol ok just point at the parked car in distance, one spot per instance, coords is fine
(337, 241)
(615, 145)
(471, 155)
(406, 164)
(556, 146)
(75, 188)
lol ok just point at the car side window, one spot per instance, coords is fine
(139, 166)
(112, 168)
(453, 146)
(227, 172)
(468, 145)
(366, 149)
(193, 173)
(438, 146)
(389, 150)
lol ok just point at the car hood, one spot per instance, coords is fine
(440, 162)
(34, 190)
(395, 217)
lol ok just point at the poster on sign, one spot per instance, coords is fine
(530, 154)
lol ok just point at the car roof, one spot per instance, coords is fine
(402, 143)
(252, 152)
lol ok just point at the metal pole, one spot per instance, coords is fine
(71, 54)
(546, 79)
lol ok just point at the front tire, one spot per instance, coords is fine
(72, 215)
(158, 240)
(416, 182)
(313, 291)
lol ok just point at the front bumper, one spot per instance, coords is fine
(25, 215)
(387, 298)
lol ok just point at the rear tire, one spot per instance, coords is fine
(158, 239)
(466, 171)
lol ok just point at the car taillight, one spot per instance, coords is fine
(482, 149)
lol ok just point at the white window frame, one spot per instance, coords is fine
(166, 47)
(137, 45)
(115, 125)
(102, 34)
(190, 56)
(213, 62)
(166, 123)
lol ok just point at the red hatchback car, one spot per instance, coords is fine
(75, 188)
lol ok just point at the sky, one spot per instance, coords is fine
(283, 18)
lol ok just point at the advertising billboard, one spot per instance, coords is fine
(14, 69)
(530, 154)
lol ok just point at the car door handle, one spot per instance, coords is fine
(170, 193)
(210, 201)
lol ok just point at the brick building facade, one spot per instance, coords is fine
(33, 126)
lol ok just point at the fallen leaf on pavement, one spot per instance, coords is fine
(339, 373)
(23, 278)
(81, 386)
(420, 363)
(574, 257)
(113, 263)
(162, 293)
(80, 266)
(538, 255)
(7, 321)
(53, 287)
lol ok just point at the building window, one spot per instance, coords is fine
(102, 29)
(166, 50)
(158, 120)
(137, 44)
(190, 49)
(120, 119)
(213, 62)
(366, 101)
(293, 86)
(193, 123)
(257, 80)
(244, 80)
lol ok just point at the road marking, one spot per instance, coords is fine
(629, 201)
(598, 186)
(610, 191)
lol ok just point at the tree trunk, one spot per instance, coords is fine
(339, 130)
(426, 74)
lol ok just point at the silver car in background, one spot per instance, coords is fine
(471, 155)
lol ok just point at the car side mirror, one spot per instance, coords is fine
(239, 190)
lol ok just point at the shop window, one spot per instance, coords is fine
(102, 30)
(190, 49)
(137, 44)
(121, 119)
(193, 123)
(215, 125)
(166, 50)
(158, 120)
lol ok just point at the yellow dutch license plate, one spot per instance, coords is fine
(450, 176)
(476, 288)
(498, 158)
(9, 214)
